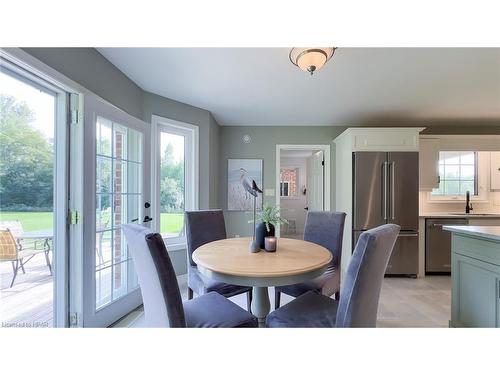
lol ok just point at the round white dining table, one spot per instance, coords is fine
(230, 261)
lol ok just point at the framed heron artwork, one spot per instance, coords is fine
(241, 173)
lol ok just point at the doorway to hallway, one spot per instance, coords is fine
(303, 184)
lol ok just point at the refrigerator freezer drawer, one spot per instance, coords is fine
(404, 258)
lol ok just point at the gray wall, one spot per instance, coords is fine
(90, 69)
(214, 160)
(263, 145)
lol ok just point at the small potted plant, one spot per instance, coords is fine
(269, 217)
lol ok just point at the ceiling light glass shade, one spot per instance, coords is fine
(310, 59)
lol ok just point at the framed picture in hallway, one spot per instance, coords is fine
(240, 173)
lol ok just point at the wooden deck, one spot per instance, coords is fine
(29, 302)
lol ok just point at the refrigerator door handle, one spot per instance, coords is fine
(408, 234)
(392, 173)
(385, 190)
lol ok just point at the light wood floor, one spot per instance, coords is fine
(424, 302)
(404, 302)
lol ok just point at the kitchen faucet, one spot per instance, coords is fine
(468, 205)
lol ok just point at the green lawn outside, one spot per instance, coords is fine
(30, 220)
(170, 223)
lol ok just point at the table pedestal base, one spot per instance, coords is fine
(260, 304)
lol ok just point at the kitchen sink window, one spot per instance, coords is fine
(458, 173)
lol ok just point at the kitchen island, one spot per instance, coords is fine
(475, 273)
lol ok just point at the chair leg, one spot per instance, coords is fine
(336, 296)
(249, 301)
(277, 299)
(190, 293)
(15, 268)
(22, 265)
(47, 260)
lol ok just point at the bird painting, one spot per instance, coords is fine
(244, 182)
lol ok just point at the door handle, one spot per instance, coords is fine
(134, 220)
(146, 219)
(408, 235)
(385, 190)
(392, 173)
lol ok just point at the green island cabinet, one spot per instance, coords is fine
(475, 275)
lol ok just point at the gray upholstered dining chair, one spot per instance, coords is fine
(163, 306)
(203, 227)
(325, 229)
(360, 294)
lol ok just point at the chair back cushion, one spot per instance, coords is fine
(326, 229)
(168, 280)
(156, 308)
(8, 248)
(15, 227)
(361, 288)
(203, 227)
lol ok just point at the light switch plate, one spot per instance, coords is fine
(269, 192)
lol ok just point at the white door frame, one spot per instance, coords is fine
(325, 149)
(32, 75)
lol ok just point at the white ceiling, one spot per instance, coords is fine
(357, 87)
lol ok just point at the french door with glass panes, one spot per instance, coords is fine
(117, 191)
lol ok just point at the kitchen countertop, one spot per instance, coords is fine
(460, 215)
(491, 233)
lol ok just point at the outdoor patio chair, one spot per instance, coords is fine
(101, 225)
(10, 251)
(17, 230)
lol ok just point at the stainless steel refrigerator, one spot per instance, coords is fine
(386, 191)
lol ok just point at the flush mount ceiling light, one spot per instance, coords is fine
(310, 59)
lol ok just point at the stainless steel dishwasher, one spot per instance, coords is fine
(438, 244)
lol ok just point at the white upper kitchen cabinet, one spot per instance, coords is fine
(495, 171)
(380, 139)
(428, 164)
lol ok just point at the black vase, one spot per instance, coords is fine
(261, 232)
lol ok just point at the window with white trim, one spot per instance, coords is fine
(176, 189)
(458, 173)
